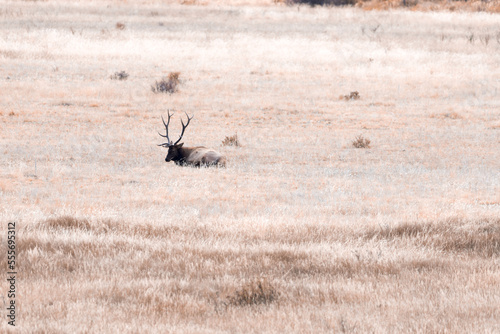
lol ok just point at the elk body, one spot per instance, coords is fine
(190, 156)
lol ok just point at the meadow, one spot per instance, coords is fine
(302, 232)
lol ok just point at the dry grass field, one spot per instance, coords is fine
(302, 232)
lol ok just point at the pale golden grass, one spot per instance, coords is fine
(302, 232)
(174, 275)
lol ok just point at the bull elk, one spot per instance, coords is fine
(189, 156)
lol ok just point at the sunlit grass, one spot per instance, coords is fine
(301, 232)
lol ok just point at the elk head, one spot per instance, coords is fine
(175, 151)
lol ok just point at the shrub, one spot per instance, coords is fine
(231, 141)
(361, 142)
(352, 96)
(313, 3)
(167, 85)
(119, 76)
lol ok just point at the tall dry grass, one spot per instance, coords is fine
(302, 232)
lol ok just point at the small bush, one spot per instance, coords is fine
(409, 3)
(352, 96)
(361, 142)
(167, 85)
(313, 3)
(231, 141)
(254, 293)
(119, 76)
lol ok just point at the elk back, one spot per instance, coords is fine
(206, 156)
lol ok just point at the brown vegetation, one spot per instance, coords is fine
(122, 75)
(120, 25)
(291, 271)
(478, 238)
(167, 85)
(231, 141)
(352, 96)
(254, 293)
(361, 142)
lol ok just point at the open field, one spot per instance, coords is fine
(302, 232)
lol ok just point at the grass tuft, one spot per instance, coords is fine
(361, 142)
(167, 85)
(254, 293)
(314, 3)
(352, 96)
(231, 141)
(122, 75)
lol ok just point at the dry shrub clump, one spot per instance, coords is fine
(231, 141)
(313, 3)
(352, 96)
(167, 85)
(361, 142)
(122, 75)
(67, 222)
(256, 292)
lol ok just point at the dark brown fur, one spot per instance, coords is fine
(194, 156)
(190, 156)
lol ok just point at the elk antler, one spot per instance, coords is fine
(184, 127)
(169, 142)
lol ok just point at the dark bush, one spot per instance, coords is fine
(119, 76)
(323, 2)
(167, 85)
